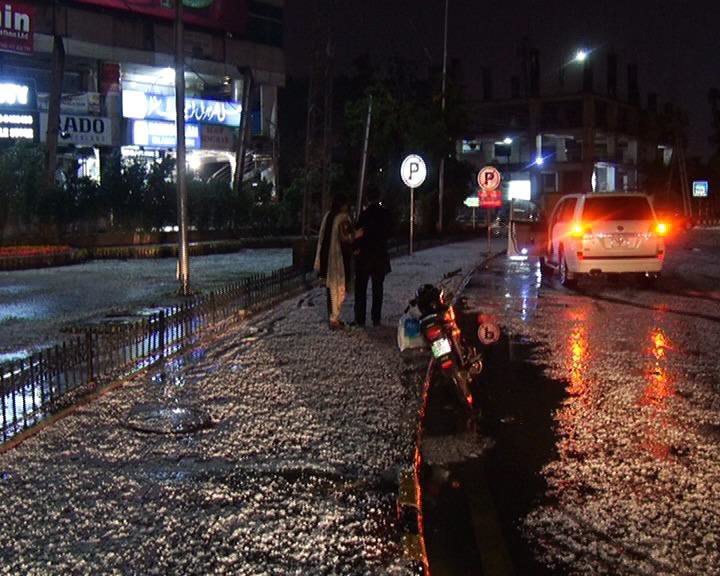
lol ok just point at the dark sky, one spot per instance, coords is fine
(676, 44)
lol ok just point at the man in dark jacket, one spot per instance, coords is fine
(371, 257)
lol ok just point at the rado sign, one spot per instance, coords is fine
(80, 130)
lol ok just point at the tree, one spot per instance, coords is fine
(407, 117)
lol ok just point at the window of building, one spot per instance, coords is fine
(573, 150)
(549, 181)
(572, 182)
(503, 151)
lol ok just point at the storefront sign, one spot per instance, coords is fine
(80, 130)
(156, 134)
(519, 190)
(17, 111)
(13, 126)
(85, 103)
(143, 106)
(14, 95)
(16, 27)
(217, 137)
(226, 15)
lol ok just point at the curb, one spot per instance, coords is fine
(417, 453)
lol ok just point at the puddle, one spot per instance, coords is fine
(153, 418)
(497, 482)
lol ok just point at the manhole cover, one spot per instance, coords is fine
(161, 419)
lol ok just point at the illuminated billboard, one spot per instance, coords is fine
(147, 106)
(226, 15)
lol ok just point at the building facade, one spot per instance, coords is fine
(573, 141)
(118, 83)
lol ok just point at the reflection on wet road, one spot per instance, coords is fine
(629, 477)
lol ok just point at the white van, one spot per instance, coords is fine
(605, 233)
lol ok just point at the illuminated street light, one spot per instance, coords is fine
(507, 140)
(580, 56)
(539, 161)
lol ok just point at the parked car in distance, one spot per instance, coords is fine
(592, 234)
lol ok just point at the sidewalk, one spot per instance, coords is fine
(271, 447)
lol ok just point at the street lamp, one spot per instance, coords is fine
(580, 56)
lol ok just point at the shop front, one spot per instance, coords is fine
(211, 129)
(84, 132)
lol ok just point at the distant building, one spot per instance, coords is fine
(575, 139)
(118, 86)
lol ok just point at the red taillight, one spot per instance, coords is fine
(580, 256)
(432, 333)
(661, 229)
(578, 230)
(661, 254)
(446, 364)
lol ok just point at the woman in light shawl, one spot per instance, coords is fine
(332, 259)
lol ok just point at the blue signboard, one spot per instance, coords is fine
(701, 189)
(140, 105)
(158, 134)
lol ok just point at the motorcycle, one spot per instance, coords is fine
(458, 361)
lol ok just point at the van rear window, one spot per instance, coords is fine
(617, 208)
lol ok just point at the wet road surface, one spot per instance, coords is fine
(598, 449)
(36, 304)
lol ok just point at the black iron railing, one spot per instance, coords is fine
(51, 379)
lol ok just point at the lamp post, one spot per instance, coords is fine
(183, 269)
(441, 175)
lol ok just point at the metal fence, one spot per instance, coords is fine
(34, 387)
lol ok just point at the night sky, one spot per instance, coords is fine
(675, 44)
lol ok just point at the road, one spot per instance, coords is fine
(598, 450)
(35, 304)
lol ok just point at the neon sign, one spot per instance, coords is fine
(14, 94)
(139, 105)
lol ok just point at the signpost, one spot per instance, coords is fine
(413, 173)
(472, 202)
(700, 189)
(489, 180)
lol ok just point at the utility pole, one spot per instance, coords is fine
(363, 167)
(244, 129)
(183, 260)
(441, 177)
(58, 71)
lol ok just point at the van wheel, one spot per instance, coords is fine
(566, 277)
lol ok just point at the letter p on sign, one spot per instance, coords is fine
(413, 171)
(489, 179)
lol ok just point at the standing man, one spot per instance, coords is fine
(371, 257)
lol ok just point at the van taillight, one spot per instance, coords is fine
(580, 230)
(661, 229)
(446, 364)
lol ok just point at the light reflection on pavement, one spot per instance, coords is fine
(637, 474)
